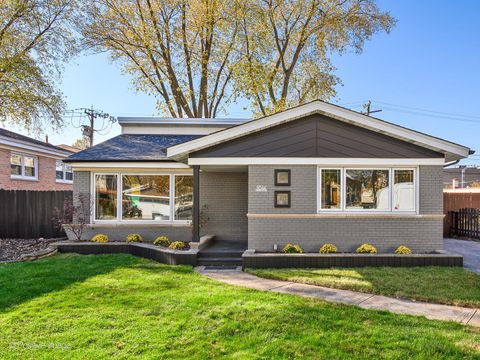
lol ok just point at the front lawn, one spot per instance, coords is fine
(104, 306)
(445, 285)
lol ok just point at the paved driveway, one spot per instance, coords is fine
(469, 249)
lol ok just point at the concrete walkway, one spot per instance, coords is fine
(468, 248)
(365, 301)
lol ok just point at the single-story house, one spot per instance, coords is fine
(31, 164)
(314, 174)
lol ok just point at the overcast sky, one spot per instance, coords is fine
(430, 61)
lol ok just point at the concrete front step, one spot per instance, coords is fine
(220, 254)
(227, 261)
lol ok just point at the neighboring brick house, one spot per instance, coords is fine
(312, 174)
(30, 164)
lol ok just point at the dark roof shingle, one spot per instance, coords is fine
(129, 147)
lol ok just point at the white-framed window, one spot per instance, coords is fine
(147, 197)
(367, 189)
(63, 172)
(23, 166)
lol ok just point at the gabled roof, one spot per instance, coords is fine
(451, 150)
(10, 138)
(128, 147)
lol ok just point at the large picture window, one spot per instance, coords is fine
(143, 197)
(331, 188)
(367, 189)
(146, 197)
(105, 197)
(183, 197)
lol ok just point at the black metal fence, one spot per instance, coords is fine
(465, 223)
(26, 214)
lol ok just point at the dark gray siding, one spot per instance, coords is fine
(317, 136)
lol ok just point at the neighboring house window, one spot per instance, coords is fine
(63, 172)
(23, 166)
(364, 189)
(147, 197)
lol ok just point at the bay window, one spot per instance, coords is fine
(367, 189)
(143, 197)
(23, 166)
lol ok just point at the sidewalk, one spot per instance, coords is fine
(366, 301)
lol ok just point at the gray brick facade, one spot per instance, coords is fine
(421, 234)
(223, 199)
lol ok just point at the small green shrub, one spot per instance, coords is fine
(134, 238)
(403, 250)
(100, 238)
(366, 249)
(328, 249)
(162, 241)
(179, 245)
(292, 249)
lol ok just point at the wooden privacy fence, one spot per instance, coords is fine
(27, 214)
(454, 201)
(466, 223)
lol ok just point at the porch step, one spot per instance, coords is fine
(220, 254)
(225, 261)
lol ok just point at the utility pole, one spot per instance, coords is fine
(367, 108)
(89, 130)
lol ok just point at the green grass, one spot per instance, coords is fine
(444, 285)
(104, 306)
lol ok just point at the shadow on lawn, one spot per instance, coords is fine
(23, 281)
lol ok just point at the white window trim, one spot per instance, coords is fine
(343, 208)
(119, 219)
(63, 180)
(23, 176)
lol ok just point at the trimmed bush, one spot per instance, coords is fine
(292, 249)
(328, 249)
(162, 241)
(179, 245)
(100, 238)
(366, 249)
(403, 250)
(134, 238)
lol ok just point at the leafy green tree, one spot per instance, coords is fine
(196, 56)
(287, 45)
(36, 37)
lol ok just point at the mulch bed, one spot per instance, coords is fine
(16, 249)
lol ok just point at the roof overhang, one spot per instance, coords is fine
(451, 150)
(19, 145)
(95, 165)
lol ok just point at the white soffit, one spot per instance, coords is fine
(180, 151)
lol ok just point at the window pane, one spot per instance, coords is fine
(403, 190)
(367, 189)
(59, 170)
(183, 197)
(29, 164)
(15, 164)
(146, 197)
(105, 197)
(331, 189)
(68, 172)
